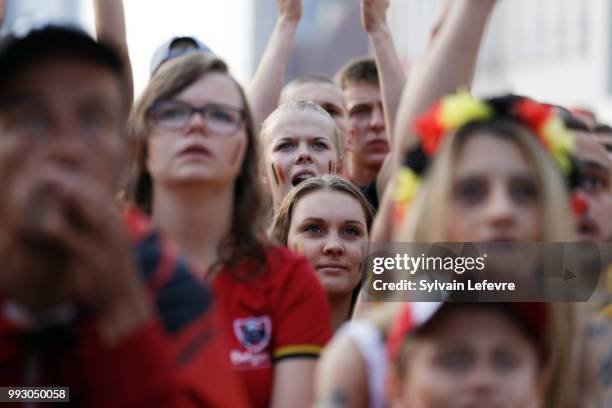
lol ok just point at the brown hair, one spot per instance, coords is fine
(243, 239)
(360, 70)
(282, 222)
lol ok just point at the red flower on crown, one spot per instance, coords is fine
(534, 115)
(430, 130)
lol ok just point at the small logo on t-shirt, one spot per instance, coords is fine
(254, 333)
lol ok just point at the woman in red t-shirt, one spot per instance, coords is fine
(196, 174)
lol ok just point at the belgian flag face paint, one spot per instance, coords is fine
(279, 178)
(274, 174)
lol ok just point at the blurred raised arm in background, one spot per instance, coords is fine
(264, 90)
(390, 70)
(456, 37)
(110, 29)
(458, 41)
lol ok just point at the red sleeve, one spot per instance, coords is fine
(303, 318)
(142, 371)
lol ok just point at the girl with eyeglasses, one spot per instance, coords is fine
(196, 174)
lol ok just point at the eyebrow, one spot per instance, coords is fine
(283, 139)
(191, 105)
(321, 220)
(358, 223)
(329, 105)
(313, 219)
(320, 139)
(591, 165)
(361, 105)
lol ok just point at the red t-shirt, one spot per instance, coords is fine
(282, 313)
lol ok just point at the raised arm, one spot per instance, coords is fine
(2, 12)
(390, 70)
(449, 64)
(265, 88)
(110, 28)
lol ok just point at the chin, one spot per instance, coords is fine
(194, 176)
(376, 160)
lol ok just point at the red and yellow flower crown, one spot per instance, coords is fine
(455, 111)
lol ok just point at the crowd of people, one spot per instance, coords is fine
(202, 244)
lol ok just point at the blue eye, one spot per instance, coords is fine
(171, 113)
(313, 228)
(320, 146)
(284, 146)
(222, 116)
(352, 232)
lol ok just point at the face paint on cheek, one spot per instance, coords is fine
(298, 247)
(274, 173)
(278, 173)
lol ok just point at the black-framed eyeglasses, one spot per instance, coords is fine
(174, 115)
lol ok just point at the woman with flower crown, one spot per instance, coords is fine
(478, 170)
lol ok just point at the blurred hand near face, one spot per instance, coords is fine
(62, 240)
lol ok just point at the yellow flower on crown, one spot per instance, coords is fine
(461, 108)
(406, 185)
(560, 142)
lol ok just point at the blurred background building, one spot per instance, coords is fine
(554, 50)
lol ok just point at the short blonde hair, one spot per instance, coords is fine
(301, 106)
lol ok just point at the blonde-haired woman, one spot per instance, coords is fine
(299, 140)
(496, 176)
(499, 174)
